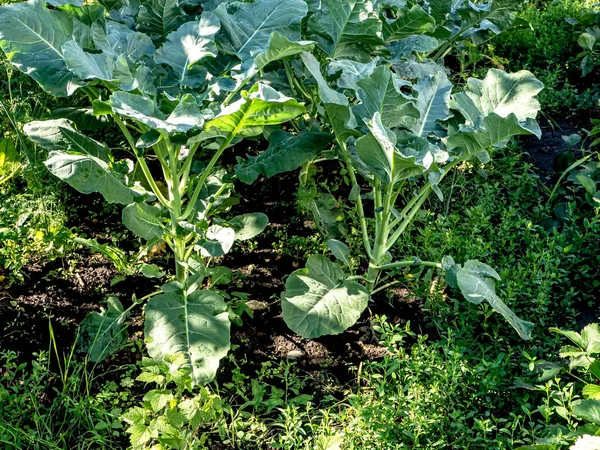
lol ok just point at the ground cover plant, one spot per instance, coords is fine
(152, 106)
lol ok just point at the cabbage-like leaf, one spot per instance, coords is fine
(158, 18)
(377, 150)
(32, 36)
(500, 93)
(326, 93)
(217, 241)
(588, 410)
(340, 250)
(102, 333)
(346, 29)
(418, 43)
(248, 29)
(286, 152)
(116, 39)
(190, 43)
(88, 174)
(184, 117)
(87, 66)
(59, 135)
(319, 300)
(259, 107)
(352, 71)
(476, 282)
(143, 220)
(248, 226)
(281, 47)
(493, 131)
(408, 22)
(380, 93)
(194, 324)
(433, 102)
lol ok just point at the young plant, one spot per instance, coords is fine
(169, 77)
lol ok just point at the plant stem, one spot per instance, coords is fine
(142, 163)
(359, 205)
(206, 173)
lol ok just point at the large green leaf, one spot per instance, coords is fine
(87, 66)
(320, 300)
(588, 410)
(407, 22)
(248, 226)
(217, 241)
(184, 117)
(259, 107)
(476, 282)
(493, 131)
(346, 29)
(143, 220)
(195, 324)
(281, 47)
(102, 333)
(326, 93)
(286, 152)
(248, 28)
(32, 36)
(158, 18)
(89, 174)
(377, 150)
(433, 102)
(82, 162)
(190, 43)
(59, 135)
(500, 93)
(380, 93)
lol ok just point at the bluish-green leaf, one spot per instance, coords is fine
(319, 300)
(346, 29)
(32, 36)
(286, 152)
(189, 44)
(143, 220)
(196, 325)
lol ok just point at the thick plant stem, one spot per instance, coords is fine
(383, 202)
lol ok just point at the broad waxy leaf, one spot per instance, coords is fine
(32, 36)
(378, 152)
(319, 300)
(286, 152)
(259, 107)
(588, 410)
(326, 93)
(158, 18)
(380, 93)
(248, 29)
(190, 43)
(409, 22)
(352, 71)
(143, 220)
(433, 102)
(217, 242)
(340, 250)
(102, 332)
(500, 93)
(346, 29)
(144, 109)
(196, 325)
(59, 135)
(88, 174)
(87, 66)
(281, 47)
(248, 226)
(80, 161)
(476, 282)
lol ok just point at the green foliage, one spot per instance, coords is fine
(549, 48)
(41, 407)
